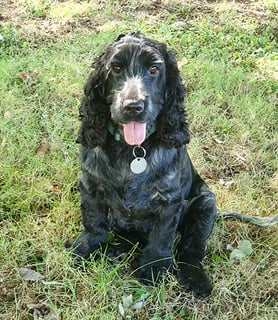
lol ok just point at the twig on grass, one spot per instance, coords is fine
(259, 221)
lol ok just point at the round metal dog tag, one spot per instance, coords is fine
(138, 165)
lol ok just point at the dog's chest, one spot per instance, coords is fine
(135, 190)
(146, 191)
(135, 198)
(137, 204)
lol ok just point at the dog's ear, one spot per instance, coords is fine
(94, 111)
(120, 36)
(172, 127)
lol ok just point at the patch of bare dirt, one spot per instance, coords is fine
(53, 18)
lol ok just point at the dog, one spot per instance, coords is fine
(137, 178)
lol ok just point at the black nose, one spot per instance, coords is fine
(134, 107)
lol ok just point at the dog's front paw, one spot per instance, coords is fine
(152, 272)
(84, 245)
(194, 278)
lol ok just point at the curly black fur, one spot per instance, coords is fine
(95, 113)
(137, 79)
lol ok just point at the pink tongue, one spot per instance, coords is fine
(134, 132)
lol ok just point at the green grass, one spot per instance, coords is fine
(228, 58)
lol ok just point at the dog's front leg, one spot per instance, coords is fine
(94, 219)
(157, 256)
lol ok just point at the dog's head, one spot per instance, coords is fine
(135, 86)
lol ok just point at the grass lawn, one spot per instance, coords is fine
(228, 56)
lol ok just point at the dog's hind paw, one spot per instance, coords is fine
(151, 273)
(194, 278)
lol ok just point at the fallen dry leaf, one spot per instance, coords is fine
(3, 143)
(30, 275)
(41, 311)
(209, 174)
(27, 77)
(42, 148)
(218, 140)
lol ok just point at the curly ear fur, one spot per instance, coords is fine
(172, 127)
(94, 111)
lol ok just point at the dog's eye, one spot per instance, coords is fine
(153, 70)
(116, 69)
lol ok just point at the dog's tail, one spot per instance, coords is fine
(257, 220)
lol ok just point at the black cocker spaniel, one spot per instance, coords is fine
(137, 178)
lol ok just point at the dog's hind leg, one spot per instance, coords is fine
(195, 228)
